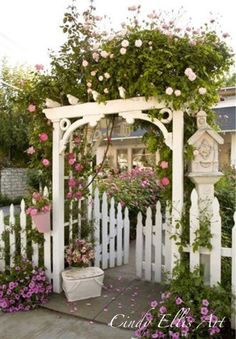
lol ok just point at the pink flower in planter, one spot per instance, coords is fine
(36, 196)
(32, 211)
(31, 108)
(43, 137)
(46, 208)
(30, 150)
(164, 164)
(204, 310)
(205, 302)
(165, 181)
(178, 301)
(71, 182)
(45, 162)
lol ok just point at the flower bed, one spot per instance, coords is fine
(23, 288)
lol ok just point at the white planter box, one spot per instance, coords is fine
(82, 283)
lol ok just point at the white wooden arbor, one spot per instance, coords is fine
(91, 113)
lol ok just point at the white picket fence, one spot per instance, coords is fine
(153, 243)
(111, 232)
(13, 226)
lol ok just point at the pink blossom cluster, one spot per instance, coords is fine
(181, 326)
(165, 181)
(41, 204)
(80, 253)
(24, 288)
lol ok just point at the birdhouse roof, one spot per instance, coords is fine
(200, 132)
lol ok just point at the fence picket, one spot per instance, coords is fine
(2, 244)
(148, 245)
(23, 227)
(126, 236)
(104, 231)
(112, 234)
(12, 236)
(97, 227)
(157, 241)
(139, 247)
(215, 257)
(120, 225)
(194, 226)
(167, 240)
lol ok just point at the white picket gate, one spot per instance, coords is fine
(153, 244)
(111, 232)
(13, 227)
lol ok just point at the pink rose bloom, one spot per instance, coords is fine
(164, 164)
(123, 51)
(71, 182)
(31, 108)
(169, 91)
(95, 56)
(104, 54)
(188, 71)
(71, 161)
(39, 67)
(78, 195)
(125, 43)
(33, 211)
(45, 162)
(192, 77)
(36, 196)
(78, 167)
(85, 63)
(43, 137)
(77, 140)
(69, 195)
(202, 90)
(46, 208)
(138, 43)
(30, 150)
(165, 181)
(177, 92)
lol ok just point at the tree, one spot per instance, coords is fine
(14, 121)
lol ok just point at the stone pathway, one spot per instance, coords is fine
(124, 299)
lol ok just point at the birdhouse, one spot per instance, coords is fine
(205, 143)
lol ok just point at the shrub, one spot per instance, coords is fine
(188, 309)
(24, 287)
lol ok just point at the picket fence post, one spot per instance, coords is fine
(233, 274)
(215, 255)
(2, 244)
(194, 226)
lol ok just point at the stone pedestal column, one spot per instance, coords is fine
(204, 171)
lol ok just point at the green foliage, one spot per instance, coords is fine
(225, 192)
(14, 120)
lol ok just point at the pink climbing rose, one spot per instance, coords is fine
(30, 150)
(165, 181)
(71, 182)
(43, 137)
(164, 164)
(45, 162)
(31, 108)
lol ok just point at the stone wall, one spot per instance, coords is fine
(13, 182)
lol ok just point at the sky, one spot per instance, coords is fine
(29, 28)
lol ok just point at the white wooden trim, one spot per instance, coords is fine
(58, 209)
(109, 107)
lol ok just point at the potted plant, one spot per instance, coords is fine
(40, 212)
(81, 280)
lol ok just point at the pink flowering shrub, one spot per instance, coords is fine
(41, 204)
(24, 287)
(137, 189)
(80, 253)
